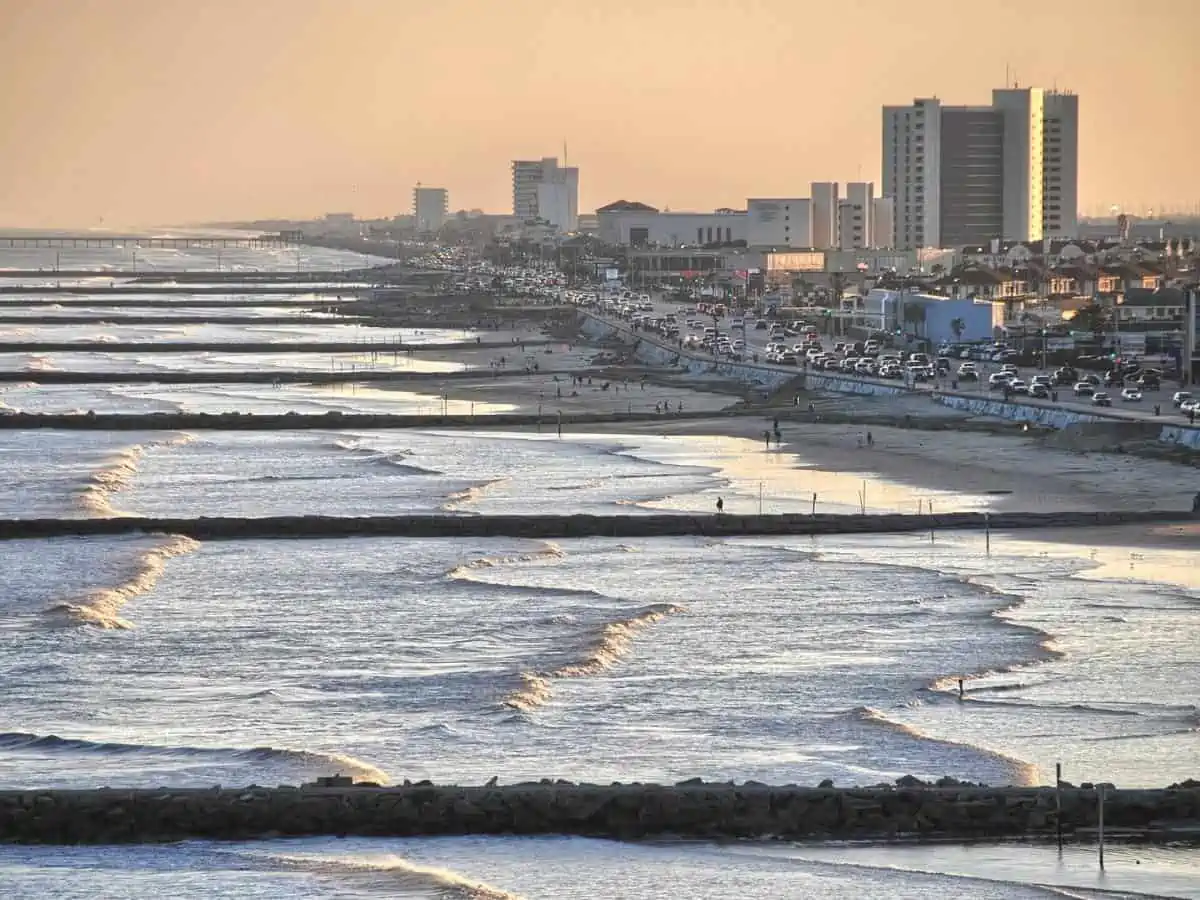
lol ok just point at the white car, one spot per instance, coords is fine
(1131, 395)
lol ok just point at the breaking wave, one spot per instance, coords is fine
(394, 460)
(547, 551)
(473, 494)
(607, 646)
(117, 474)
(306, 762)
(395, 874)
(37, 363)
(1019, 771)
(101, 607)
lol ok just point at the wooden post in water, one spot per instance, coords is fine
(1058, 803)
(814, 506)
(1100, 801)
(987, 533)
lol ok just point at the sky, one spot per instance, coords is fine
(140, 112)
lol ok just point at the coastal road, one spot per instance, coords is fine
(1143, 411)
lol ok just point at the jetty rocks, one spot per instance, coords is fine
(568, 526)
(692, 809)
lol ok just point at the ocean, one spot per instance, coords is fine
(157, 660)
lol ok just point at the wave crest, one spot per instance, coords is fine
(610, 643)
(1021, 772)
(548, 550)
(398, 874)
(117, 474)
(101, 607)
(305, 761)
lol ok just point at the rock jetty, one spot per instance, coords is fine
(568, 526)
(692, 809)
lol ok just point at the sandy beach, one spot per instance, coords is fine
(903, 466)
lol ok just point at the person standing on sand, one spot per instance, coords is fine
(767, 438)
(720, 505)
(870, 439)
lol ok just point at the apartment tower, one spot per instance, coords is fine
(964, 175)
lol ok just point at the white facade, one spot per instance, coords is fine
(779, 222)
(671, 229)
(528, 174)
(912, 170)
(554, 205)
(824, 215)
(854, 216)
(429, 208)
(965, 175)
(1060, 218)
(1023, 110)
(883, 223)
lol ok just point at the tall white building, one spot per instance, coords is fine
(825, 214)
(779, 222)
(1060, 152)
(1023, 110)
(430, 206)
(962, 175)
(883, 223)
(854, 216)
(527, 178)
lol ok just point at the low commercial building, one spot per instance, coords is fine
(635, 224)
(931, 317)
(655, 265)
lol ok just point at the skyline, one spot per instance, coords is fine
(139, 112)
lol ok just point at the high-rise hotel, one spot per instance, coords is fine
(963, 175)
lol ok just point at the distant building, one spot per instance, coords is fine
(854, 216)
(779, 222)
(883, 223)
(430, 206)
(825, 215)
(962, 175)
(1060, 153)
(638, 225)
(561, 199)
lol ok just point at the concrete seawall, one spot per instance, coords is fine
(626, 812)
(569, 526)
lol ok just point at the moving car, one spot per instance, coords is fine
(1101, 398)
(1085, 389)
(1131, 395)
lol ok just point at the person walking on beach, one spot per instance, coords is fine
(767, 438)
(720, 505)
(870, 439)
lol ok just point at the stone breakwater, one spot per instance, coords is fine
(570, 526)
(624, 812)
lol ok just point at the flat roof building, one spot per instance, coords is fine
(962, 175)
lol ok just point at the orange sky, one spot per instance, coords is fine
(166, 111)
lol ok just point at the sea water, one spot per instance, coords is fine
(152, 660)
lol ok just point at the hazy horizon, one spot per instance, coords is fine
(141, 112)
